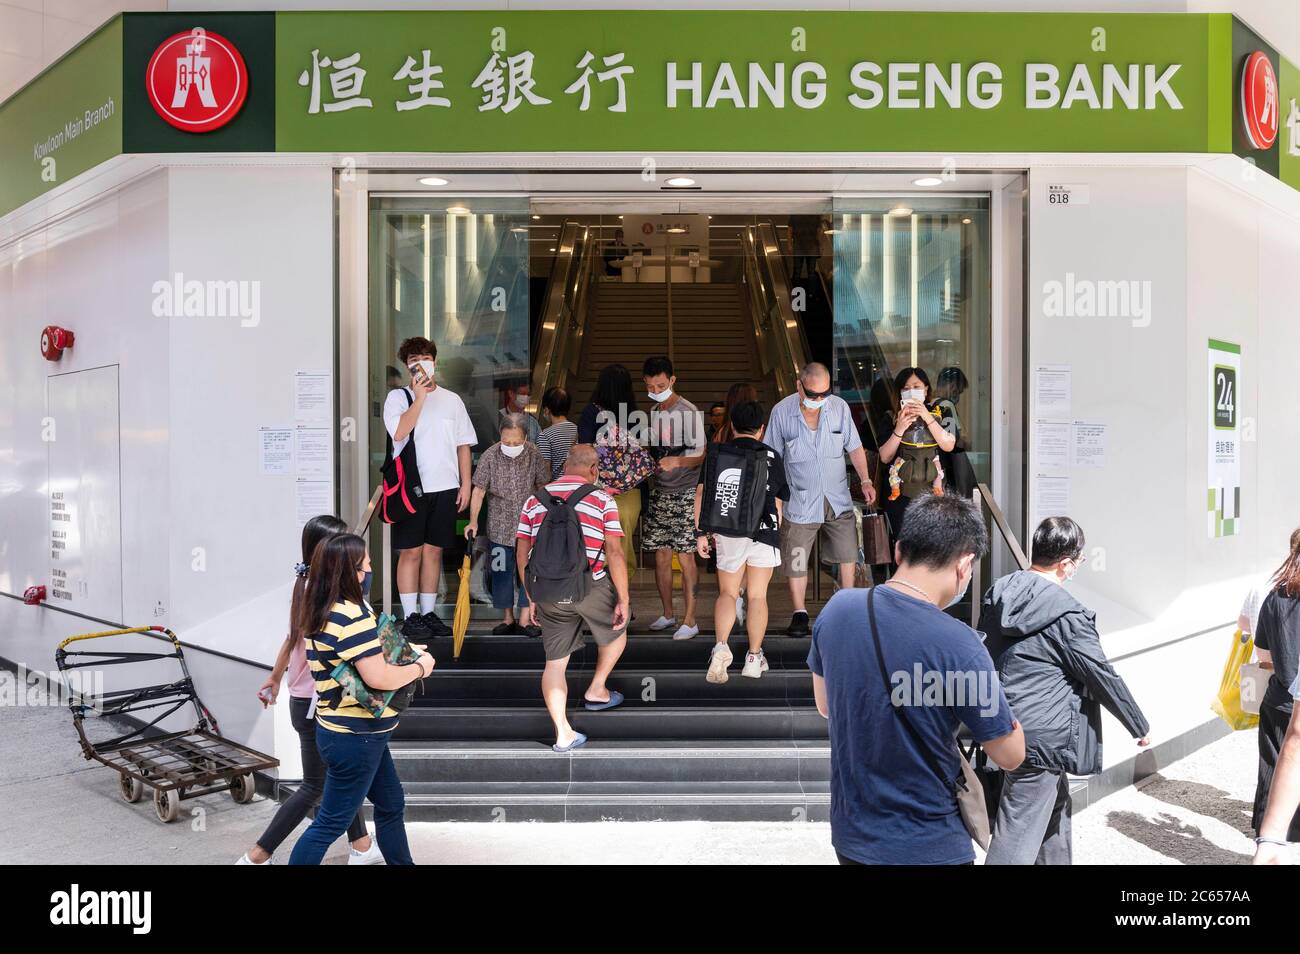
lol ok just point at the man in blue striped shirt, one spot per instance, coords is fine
(812, 430)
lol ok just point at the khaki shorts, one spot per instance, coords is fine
(838, 537)
(562, 623)
(736, 553)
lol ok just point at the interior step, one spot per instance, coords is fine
(456, 686)
(643, 651)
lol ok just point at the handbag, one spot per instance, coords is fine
(623, 463)
(966, 788)
(397, 651)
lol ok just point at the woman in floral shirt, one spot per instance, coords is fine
(508, 473)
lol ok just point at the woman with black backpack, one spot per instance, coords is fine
(352, 733)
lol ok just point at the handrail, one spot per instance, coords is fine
(782, 348)
(983, 498)
(560, 333)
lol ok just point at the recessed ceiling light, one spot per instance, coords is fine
(965, 221)
(457, 210)
(552, 250)
(900, 210)
(681, 182)
(676, 230)
(620, 216)
(928, 181)
(536, 217)
(434, 181)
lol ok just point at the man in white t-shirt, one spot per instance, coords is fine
(437, 421)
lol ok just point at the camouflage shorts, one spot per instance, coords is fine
(669, 521)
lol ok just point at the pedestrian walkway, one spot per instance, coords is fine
(61, 809)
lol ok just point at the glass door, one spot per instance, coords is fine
(454, 271)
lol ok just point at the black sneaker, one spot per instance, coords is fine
(798, 625)
(415, 628)
(437, 628)
(532, 630)
(507, 629)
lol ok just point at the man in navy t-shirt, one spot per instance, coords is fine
(888, 802)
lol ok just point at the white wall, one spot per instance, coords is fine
(208, 542)
(1219, 262)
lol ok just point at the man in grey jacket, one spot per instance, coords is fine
(1056, 677)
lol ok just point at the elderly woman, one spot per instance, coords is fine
(508, 473)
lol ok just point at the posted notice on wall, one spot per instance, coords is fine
(1224, 497)
(1051, 497)
(275, 451)
(313, 497)
(312, 451)
(311, 397)
(1088, 448)
(1052, 392)
(1052, 445)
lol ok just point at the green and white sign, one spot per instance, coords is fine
(751, 81)
(1224, 497)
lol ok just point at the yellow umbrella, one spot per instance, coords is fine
(460, 621)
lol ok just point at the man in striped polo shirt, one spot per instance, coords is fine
(604, 610)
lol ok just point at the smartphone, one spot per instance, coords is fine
(418, 375)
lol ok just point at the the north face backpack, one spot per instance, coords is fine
(735, 490)
(558, 571)
(401, 474)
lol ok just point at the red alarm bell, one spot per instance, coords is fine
(54, 340)
(34, 595)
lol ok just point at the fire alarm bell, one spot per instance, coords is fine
(34, 595)
(54, 340)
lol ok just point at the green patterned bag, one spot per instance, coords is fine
(398, 652)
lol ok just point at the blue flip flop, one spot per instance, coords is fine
(579, 741)
(615, 699)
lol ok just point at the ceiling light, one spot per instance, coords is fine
(928, 181)
(552, 249)
(434, 181)
(965, 221)
(520, 228)
(900, 210)
(676, 230)
(536, 217)
(457, 210)
(681, 182)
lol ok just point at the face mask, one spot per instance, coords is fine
(812, 405)
(914, 394)
(365, 584)
(661, 396)
(521, 401)
(961, 595)
(512, 451)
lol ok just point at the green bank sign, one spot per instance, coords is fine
(352, 83)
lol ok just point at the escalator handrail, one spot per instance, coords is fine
(551, 329)
(770, 292)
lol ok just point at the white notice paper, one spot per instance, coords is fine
(1052, 392)
(1052, 445)
(1089, 446)
(275, 450)
(312, 449)
(1051, 497)
(314, 497)
(311, 397)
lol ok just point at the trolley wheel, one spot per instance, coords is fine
(167, 804)
(242, 788)
(132, 789)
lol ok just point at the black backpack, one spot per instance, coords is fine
(558, 571)
(735, 490)
(401, 474)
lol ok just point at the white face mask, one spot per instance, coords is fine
(661, 396)
(521, 401)
(512, 451)
(913, 394)
(425, 366)
(812, 405)
(958, 598)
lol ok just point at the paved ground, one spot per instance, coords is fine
(61, 808)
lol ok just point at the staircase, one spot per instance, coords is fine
(712, 338)
(475, 744)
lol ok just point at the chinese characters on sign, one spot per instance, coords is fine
(505, 83)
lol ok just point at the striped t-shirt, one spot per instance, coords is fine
(554, 443)
(351, 633)
(597, 513)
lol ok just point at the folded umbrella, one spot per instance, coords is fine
(460, 621)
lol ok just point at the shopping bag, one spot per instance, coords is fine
(1227, 704)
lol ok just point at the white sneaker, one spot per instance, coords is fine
(686, 632)
(245, 860)
(755, 665)
(663, 622)
(371, 856)
(740, 611)
(719, 659)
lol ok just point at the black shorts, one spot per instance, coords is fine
(434, 522)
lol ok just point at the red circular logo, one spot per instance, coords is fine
(197, 81)
(1259, 100)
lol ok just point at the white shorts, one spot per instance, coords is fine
(734, 553)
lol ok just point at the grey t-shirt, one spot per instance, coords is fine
(677, 431)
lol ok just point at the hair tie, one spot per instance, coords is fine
(300, 569)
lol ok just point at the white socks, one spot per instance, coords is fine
(408, 604)
(427, 602)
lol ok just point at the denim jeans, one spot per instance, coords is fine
(357, 767)
(506, 591)
(307, 796)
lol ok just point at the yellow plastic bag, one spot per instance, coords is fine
(1227, 704)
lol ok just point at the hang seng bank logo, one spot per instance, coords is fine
(197, 81)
